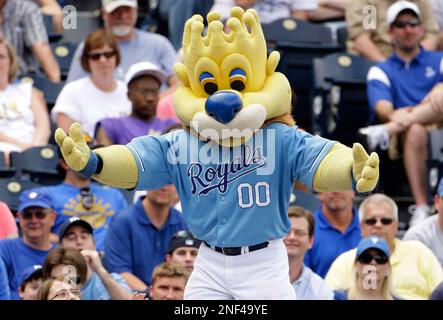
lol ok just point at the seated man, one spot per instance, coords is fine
(143, 80)
(36, 216)
(168, 282)
(138, 237)
(416, 271)
(77, 196)
(183, 249)
(398, 86)
(430, 231)
(370, 20)
(76, 233)
(336, 230)
(307, 284)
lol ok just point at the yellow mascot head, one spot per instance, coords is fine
(230, 87)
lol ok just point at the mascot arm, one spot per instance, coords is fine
(344, 168)
(114, 165)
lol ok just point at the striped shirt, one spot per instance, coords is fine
(23, 27)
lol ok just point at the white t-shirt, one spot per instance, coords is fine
(268, 10)
(16, 117)
(83, 102)
(429, 233)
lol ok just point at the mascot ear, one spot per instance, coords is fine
(182, 74)
(272, 63)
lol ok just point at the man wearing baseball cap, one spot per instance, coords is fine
(36, 217)
(397, 89)
(368, 25)
(120, 17)
(183, 249)
(144, 80)
(430, 230)
(77, 234)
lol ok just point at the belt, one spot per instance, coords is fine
(236, 251)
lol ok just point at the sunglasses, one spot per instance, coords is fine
(87, 198)
(402, 24)
(27, 215)
(97, 55)
(366, 258)
(373, 221)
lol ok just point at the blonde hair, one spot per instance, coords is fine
(354, 290)
(13, 61)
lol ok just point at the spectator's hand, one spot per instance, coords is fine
(93, 260)
(74, 149)
(364, 168)
(138, 296)
(402, 117)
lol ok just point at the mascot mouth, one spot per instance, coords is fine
(240, 129)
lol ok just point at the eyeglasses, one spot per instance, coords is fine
(65, 294)
(373, 221)
(87, 198)
(97, 55)
(402, 24)
(366, 258)
(27, 215)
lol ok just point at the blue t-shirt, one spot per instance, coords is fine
(404, 84)
(236, 196)
(18, 256)
(67, 202)
(94, 289)
(133, 244)
(329, 242)
(4, 285)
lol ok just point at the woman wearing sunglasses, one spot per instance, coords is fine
(97, 96)
(371, 272)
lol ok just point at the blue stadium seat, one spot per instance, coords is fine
(50, 89)
(63, 53)
(10, 190)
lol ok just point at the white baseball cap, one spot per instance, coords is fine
(397, 7)
(145, 68)
(111, 5)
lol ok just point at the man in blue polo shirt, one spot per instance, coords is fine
(36, 217)
(138, 237)
(395, 88)
(337, 230)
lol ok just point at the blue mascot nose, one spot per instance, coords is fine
(223, 106)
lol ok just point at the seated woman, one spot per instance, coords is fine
(24, 120)
(372, 280)
(98, 95)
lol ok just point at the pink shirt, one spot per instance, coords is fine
(165, 109)
(7, 222)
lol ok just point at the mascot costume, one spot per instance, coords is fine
(234, 163)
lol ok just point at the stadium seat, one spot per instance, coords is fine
(10, 190)
(5, 171)
(435, 159)
(50, 89)
(305, 199)
(86, 23)
(49, 25)
(40, 163)
(63, 53)
(341, 105)
(299, 42)
(342, 36)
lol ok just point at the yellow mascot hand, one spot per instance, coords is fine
(365, 168)
(74, 149)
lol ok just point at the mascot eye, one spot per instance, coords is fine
(237, 78)
(208, 83)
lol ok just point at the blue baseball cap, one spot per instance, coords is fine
(73, 221)
(440, 188)
(373, 243)
(31, 271)
(34, 198)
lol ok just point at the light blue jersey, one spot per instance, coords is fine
(237, 196)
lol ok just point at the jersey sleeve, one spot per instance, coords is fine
(378, 87)
(150, 153)
(305, 154)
